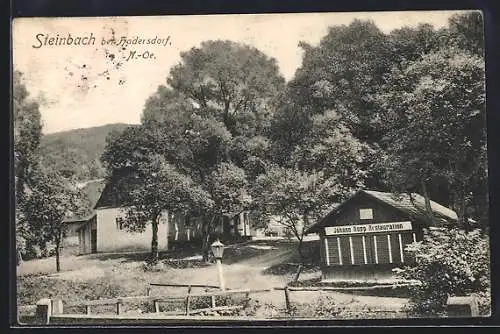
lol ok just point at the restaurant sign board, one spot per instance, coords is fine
(368, 228)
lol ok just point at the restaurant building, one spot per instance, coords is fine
(364, 238)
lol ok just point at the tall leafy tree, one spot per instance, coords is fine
(236, 83)
(51, 200)
(210, 122)
(467, 32)
(436, 110)
(341, 72)
(147, 185)
(295, 198)
(411, 43)
(228, 188)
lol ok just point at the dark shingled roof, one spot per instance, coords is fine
(93, 190)
(413, 205)
(109, 198)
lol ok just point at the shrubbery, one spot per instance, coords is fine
(450, 262)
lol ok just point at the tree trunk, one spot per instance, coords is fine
(299, 249)
(58, 264)
(205, 247)
(154, 240)
(19, 256)
(301, 261)
(58, 245)
(428, 207)
(462, 219)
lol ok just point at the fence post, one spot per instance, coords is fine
(43, 311)
(213, 301)
(247, 299)
(148, 292)
(87, 309)
(118, 307)
(57, 306)
(157, 306)
(462, 306)
(188, 300)
(287, 299)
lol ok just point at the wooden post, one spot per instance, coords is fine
(148, 292)
(213, 301)
(462, 306)
(43, 311)
(221, 274)
(287, 299)
(118, 307)
(297, 274)
(188, 300)
(247, 299)
(157, 306)
(87, 309)
(57, 306)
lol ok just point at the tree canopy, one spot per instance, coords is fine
(398, 111)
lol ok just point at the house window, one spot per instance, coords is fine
(365, 214)
(119, 223)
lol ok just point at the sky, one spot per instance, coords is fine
(91, 85)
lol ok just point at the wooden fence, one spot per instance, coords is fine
(51, 311)
(47, 310)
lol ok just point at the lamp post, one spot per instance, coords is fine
(218, 250)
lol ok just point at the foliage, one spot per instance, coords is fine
(346, 67)
(294, 199)
(435, 108)
(207, 128)
(467, 32)
(236, 83)
(448, 262)
(227, 186)
(50, 201)
(328, 307)
(32, 288)
(27, 130)
(148, 184)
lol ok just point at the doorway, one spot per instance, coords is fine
(93, 240)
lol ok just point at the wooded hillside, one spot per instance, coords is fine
(76, 153)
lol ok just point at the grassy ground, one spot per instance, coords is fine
(253, 265)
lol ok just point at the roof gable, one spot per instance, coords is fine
(412, 205)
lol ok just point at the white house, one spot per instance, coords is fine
(104, 232)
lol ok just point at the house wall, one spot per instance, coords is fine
(182, 228)
(84, 238)
(173, 229)
(70, 244)
(111, 239)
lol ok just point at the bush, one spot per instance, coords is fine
(449, 262)
(327, 307)
(31, 288)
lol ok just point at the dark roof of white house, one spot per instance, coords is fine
(413, 205)
(93, 190)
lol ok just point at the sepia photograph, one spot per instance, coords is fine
(250, 167)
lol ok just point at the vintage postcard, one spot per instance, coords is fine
(250, 167)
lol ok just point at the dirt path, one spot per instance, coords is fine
(273, 257)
